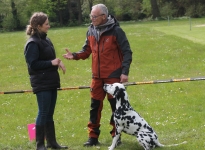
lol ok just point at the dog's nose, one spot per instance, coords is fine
(104, 87)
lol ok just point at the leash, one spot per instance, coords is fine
(126, 84)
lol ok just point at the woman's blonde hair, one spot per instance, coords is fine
(38, 18)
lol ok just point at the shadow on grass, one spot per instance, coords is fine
(126, 144)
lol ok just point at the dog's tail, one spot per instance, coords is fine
(161, 145)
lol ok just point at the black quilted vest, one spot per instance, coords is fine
(43, 79)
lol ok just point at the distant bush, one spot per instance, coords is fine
(167, 10)
(11, 24)
(195, 11)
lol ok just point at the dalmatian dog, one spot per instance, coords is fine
(127, 120)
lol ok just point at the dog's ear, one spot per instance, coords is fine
(118, 92)
(115, 91)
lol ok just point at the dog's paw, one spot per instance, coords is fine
(111, 148)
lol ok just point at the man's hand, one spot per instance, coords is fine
(68, 55)
(123, 78)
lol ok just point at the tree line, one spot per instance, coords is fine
(14, 14)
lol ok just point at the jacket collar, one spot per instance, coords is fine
(41, 35)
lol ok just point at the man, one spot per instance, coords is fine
(111, 59)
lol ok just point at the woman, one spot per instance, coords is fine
(43, 70)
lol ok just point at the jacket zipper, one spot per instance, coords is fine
(98, 59)
(103, 45)
(99, 55)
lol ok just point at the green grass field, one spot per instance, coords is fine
(161, 50)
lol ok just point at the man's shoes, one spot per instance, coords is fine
(91, 142)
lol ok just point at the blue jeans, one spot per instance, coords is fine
(46, 106)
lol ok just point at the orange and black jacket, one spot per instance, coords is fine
(111, 53)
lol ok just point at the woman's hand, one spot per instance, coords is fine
(61, 66)
(59, 63)
(56, 62)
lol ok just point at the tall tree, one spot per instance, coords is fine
(15, 15)
(70, 11)
(79, 12)
(60, 12)
(155, 9)
(90, 2)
